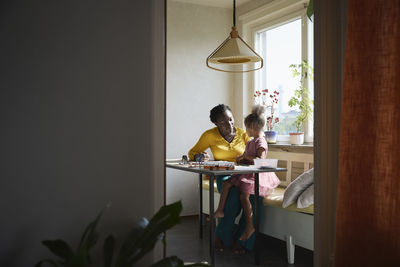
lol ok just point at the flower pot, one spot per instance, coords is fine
(270, 136)
(296, 138)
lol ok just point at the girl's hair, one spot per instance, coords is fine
(218, 111)
(256, 119)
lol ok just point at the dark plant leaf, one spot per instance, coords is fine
(88, 240)
(310, 9)
(80, 260)
(197, 264)
(89, 235)
(163, 220)
(60, 248)
(164, 241)
(109, 245)
(172, 261)
(140, 241)
(39, 264)
(128, 246)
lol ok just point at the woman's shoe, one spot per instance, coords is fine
(238, 249)
(218, 244)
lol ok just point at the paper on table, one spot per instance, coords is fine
(243, 168)
(265, 163)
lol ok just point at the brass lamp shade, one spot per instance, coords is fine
(233, 51)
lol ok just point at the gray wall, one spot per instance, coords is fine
(76, 120)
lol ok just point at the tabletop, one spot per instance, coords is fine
(238, 169)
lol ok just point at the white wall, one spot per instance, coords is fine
(251, 5)
(76, 109)
(193, 32)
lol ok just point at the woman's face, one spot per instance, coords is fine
(225, 123)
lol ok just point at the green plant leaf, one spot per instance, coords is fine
(140, 241)
(128, 246)
(301, 97)
(88, 240)
(310, 10)
(164, 241)
(60, 248)
(196, 264)
(81, 257)
(172, 261)
(108, 249)
(39, 264)
(89, 235)
(163, 220)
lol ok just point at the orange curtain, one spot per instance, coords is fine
(368, 205)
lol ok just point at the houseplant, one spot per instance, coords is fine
(268, 99)
(301, 99)
(138, 242)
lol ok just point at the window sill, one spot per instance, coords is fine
(287, 147)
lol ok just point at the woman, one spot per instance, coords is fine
(226, 143)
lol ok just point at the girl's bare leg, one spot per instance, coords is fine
(219, 213)
(248, 213)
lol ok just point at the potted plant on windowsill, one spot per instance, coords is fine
(268, 100)
(301, 99)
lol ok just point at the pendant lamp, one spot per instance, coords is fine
(234, 54)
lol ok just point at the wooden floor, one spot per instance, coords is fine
(183, 241)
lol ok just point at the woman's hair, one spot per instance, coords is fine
(256, 119)
(218, 111)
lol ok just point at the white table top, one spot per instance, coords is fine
(238, 169)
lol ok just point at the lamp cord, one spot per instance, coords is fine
(234, 13)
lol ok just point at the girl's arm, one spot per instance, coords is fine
(239, 159)
(245, 159)
(261, 153)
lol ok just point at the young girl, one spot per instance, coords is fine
(255, 148)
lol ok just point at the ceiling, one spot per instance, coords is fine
(215, 3)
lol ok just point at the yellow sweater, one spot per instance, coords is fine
(220, 148)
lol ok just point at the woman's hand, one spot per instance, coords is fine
(239, 159)
(243, 159)
(203, 156)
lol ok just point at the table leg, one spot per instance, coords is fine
(201, 206)
(256, 218)
(212, 228)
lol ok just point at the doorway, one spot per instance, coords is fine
(189, 105)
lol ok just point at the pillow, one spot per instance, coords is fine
(306, 198)
(296, 187)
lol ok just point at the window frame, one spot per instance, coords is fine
(269, 16)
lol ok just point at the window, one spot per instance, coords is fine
(281, 42)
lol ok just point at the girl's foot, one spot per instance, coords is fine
(218, 244)
(219, 214)
(247, 233)
(238, 249)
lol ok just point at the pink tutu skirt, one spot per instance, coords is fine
(245, 182)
